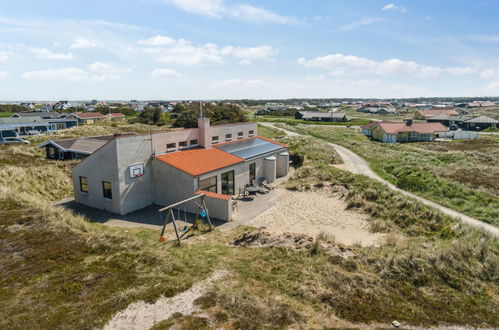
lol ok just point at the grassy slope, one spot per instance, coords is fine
(57, 267)
(459, 174)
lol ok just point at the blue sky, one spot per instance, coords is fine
(222, 49)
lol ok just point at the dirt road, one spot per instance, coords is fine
(358, 165)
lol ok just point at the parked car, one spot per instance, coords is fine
(10, 140)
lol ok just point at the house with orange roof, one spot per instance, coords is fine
(115, 116)
(131, 172)
(409, 131)
(87, 117)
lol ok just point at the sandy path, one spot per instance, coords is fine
(141, 315)
(358, 165)
(312, 213)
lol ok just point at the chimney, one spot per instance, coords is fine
(204, 132)
(408, 122)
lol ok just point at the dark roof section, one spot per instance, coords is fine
(249, 148)
(84, 145)
(38, 114)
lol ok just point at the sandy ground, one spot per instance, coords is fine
(315, 212)
(141, 315)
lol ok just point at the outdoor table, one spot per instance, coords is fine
(252, 190)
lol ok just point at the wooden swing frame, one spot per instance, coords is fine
(169, 213)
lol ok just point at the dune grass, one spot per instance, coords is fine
(60, 271)
(461, 175)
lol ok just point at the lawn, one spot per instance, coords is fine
(462, 175)
(57, 267)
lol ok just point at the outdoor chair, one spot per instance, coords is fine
(267, 185)
(255, 184)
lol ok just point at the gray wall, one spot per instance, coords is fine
(98, 167)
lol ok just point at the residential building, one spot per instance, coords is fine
(378, 110)
(67, 149)
(409, 131)
(10, 127)
(115, 116)
(321, 116)
(466, 123)
(367, 129)
(36, 114)
(424, 114)
(131, 172)
(87, 117)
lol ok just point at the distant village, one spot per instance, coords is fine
(412, 121)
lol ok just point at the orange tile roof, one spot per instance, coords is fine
(212, 194)
(199, 161)
(423, 128)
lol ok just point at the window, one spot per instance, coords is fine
(252, 173)
(182, 144)
(228, 183)
(51, 151)
(194, 142)
(209, 184)
(170, 146)
(240, 135)
(61, 154)
(251, 133)
(228, 137)
(106, 190)
(214, 139)
(84, 184)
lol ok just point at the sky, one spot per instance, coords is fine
(232, 49)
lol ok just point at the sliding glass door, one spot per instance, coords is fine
(228, 183)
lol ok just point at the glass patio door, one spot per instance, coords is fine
(228, 183)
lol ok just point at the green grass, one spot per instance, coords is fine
(461, 174)
(6, 114)
(60, 271)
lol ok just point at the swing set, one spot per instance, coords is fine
(167, 213)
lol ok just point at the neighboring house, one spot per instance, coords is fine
(321, 116)
(38, 114)
(409, 131)
(425, 114)
(29, 106)
(479, 123)
(477, 104)
(74, 148)
(367, 129)
(378, 110)
(131, 172)
(46, 108)
(87, 117)
(446, 120)
(262, 112)
(10, 127)
(115, 116)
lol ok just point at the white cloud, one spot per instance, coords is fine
(3, 74)
(488, 73)
(108, 68)
(4, 56)
(183, 52)
(258, 52)
(158, 40)
(47, 54)
(237, 83)
(246, 62)
(165, 73)
(69, 74)
(340, 64)
(392, 6)
(360, 23)
(82, 43)
(244, 12)
(492, 87)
